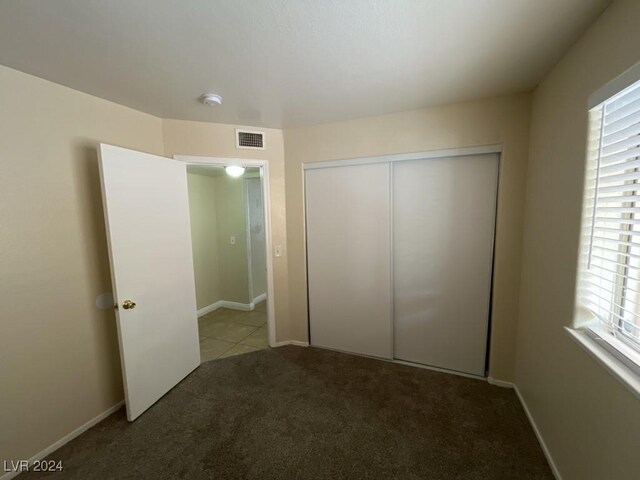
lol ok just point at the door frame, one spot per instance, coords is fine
(247, 227)
(247, 212)
(266, 205)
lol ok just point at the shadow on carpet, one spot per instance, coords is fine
(306, 413)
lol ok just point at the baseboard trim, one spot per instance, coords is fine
(543, 445)
(260, 298)
(245, 307)
(209, 308)
(500, 383)
(67, 438)
(297, 343)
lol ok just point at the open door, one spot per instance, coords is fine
(147, 218)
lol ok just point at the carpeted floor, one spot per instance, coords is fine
(305, 413)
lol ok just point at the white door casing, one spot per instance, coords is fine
(270, 247)
(147, 219)
(256, 241)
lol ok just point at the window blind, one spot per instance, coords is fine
(609, 271)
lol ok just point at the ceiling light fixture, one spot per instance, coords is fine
(211, 99)
(234, 170)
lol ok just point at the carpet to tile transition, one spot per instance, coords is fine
(306, 413)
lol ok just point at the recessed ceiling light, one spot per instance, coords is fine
(234, 170)
(211, 99)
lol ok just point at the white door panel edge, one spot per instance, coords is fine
(146, 212)
(443, 229)
(256, 253)
(348, 258)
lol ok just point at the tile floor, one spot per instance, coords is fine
(225, 332)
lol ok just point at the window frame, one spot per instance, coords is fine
(619, 355)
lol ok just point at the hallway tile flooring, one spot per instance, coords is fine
(226, 332)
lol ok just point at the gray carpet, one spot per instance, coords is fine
(305, 413)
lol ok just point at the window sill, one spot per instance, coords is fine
(601, 351)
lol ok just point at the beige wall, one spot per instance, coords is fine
(218, 140)
(234, 268)
(204, 238)
(59, 363)
(590, 422)
(500, 120)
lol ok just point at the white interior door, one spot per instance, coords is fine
(348, 258)
(443, 221)
(147, 217)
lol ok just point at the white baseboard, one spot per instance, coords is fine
(260, 298)
(245, 307)
(500, 383)
(67, 438)
(297, 343)
(209, 308)
(545, 450)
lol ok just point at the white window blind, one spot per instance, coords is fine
(609, 273)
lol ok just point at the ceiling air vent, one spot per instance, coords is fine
(249, 139)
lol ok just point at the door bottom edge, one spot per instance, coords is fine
(399, 361)
(439, 369)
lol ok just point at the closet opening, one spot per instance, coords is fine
(400, 256)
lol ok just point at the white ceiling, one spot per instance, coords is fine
(285, 63)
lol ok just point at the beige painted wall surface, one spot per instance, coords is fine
(218, 140)
(589, 421)
(234, 271)
(500, 120)
(204, 238)
(59, 362)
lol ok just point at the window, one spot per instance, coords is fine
(609, 271)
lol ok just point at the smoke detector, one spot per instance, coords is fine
(211, 99)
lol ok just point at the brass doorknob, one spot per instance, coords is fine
(128, 305)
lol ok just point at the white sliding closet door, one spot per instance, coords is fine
(443, 221)
(348, 258)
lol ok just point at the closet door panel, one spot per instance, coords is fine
(443, 220)
(348, 258)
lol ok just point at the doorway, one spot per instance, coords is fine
(226, 206)
(149, 238)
